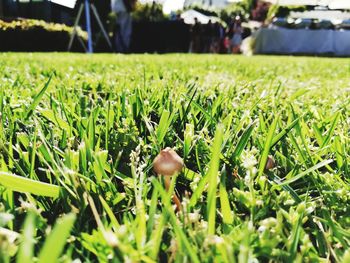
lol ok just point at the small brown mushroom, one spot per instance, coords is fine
(168, 163)
(270, 164)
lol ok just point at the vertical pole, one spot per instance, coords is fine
(88, 26)
(94, 11)
(74, 33)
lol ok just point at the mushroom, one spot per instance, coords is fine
(270, 164)
(168, 163)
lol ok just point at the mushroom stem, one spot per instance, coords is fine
(176, 200)
(168, 164)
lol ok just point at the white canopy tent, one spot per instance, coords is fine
(332, 4)
(302, 41)
(321, 15)
(339, 4)
(189, 16)
(293, 2)
(66, 3)
(210, 3)
(175, 5)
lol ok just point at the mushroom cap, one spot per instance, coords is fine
(168, 162)
(270, 164)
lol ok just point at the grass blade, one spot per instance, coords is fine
(25, 185)
(284, 132)
(315, 167)
(199, 190)
(212, 178)
(224, 200)
(163, 126)
(331, 130)
(55, 242)
(243, 141)
(338, 152)
(200, 108)
(267, 147)
(173, 219)
(37, 99)
(295, 237)
(26, 249)
(114, 221)
(318, 134)
(287, 188)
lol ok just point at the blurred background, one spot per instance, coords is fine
(199, 26)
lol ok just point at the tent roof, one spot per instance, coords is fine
(213, 3)
(322, 15)
(66, 3)
(189, 16)
(332, 4)
(339, 4)
(293, 2)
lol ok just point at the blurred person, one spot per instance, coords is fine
(260, 12)
(226, 45)
(222, 48)
(122, 35)
(196, 32)
(218, 35)
(207, 36)
(173, 16)
(184, 34)
(235, 35)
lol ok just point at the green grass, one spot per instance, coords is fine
(78, 134)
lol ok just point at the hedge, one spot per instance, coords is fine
(36, 35)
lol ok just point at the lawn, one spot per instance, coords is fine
(264, 141)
